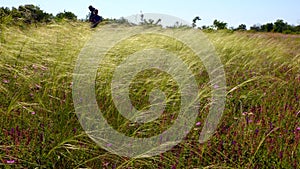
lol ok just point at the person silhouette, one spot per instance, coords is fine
(94, 18)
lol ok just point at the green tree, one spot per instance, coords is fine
(241, 27)
(280, 26)
(5, 16)
(25, 13)
(197, 18)
(269, 27)
(15, 14)
(204, 27)
(297, 29)
(66, 15)
(4, 11)
(256, 28)
(32, 13)
(220, 25)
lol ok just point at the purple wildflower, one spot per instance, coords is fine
(198, 123)
(18, 131)
(247, 119)
(216, 86)
(109, 145)
(281, 154)
(256, 131)
(12, 131)
(5, 81)
(271, 125)
(10, 161)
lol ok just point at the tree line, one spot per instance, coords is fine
(279, 26)
(31, 14)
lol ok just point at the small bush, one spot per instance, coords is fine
(66, 15)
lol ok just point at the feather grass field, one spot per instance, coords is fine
(260, 127)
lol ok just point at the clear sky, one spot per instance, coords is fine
(234, 12)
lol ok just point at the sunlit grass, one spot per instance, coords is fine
(39, 128)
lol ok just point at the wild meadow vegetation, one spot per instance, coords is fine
(260, 127)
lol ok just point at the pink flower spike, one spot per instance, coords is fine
(198, 123)
(298, 128)
(10, 161)
(33, 113)
(5, 81)
(216, 86)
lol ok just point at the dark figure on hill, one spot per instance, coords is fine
(94, 18)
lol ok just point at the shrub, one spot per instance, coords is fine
(66, 15)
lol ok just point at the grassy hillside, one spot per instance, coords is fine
(260, 127)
